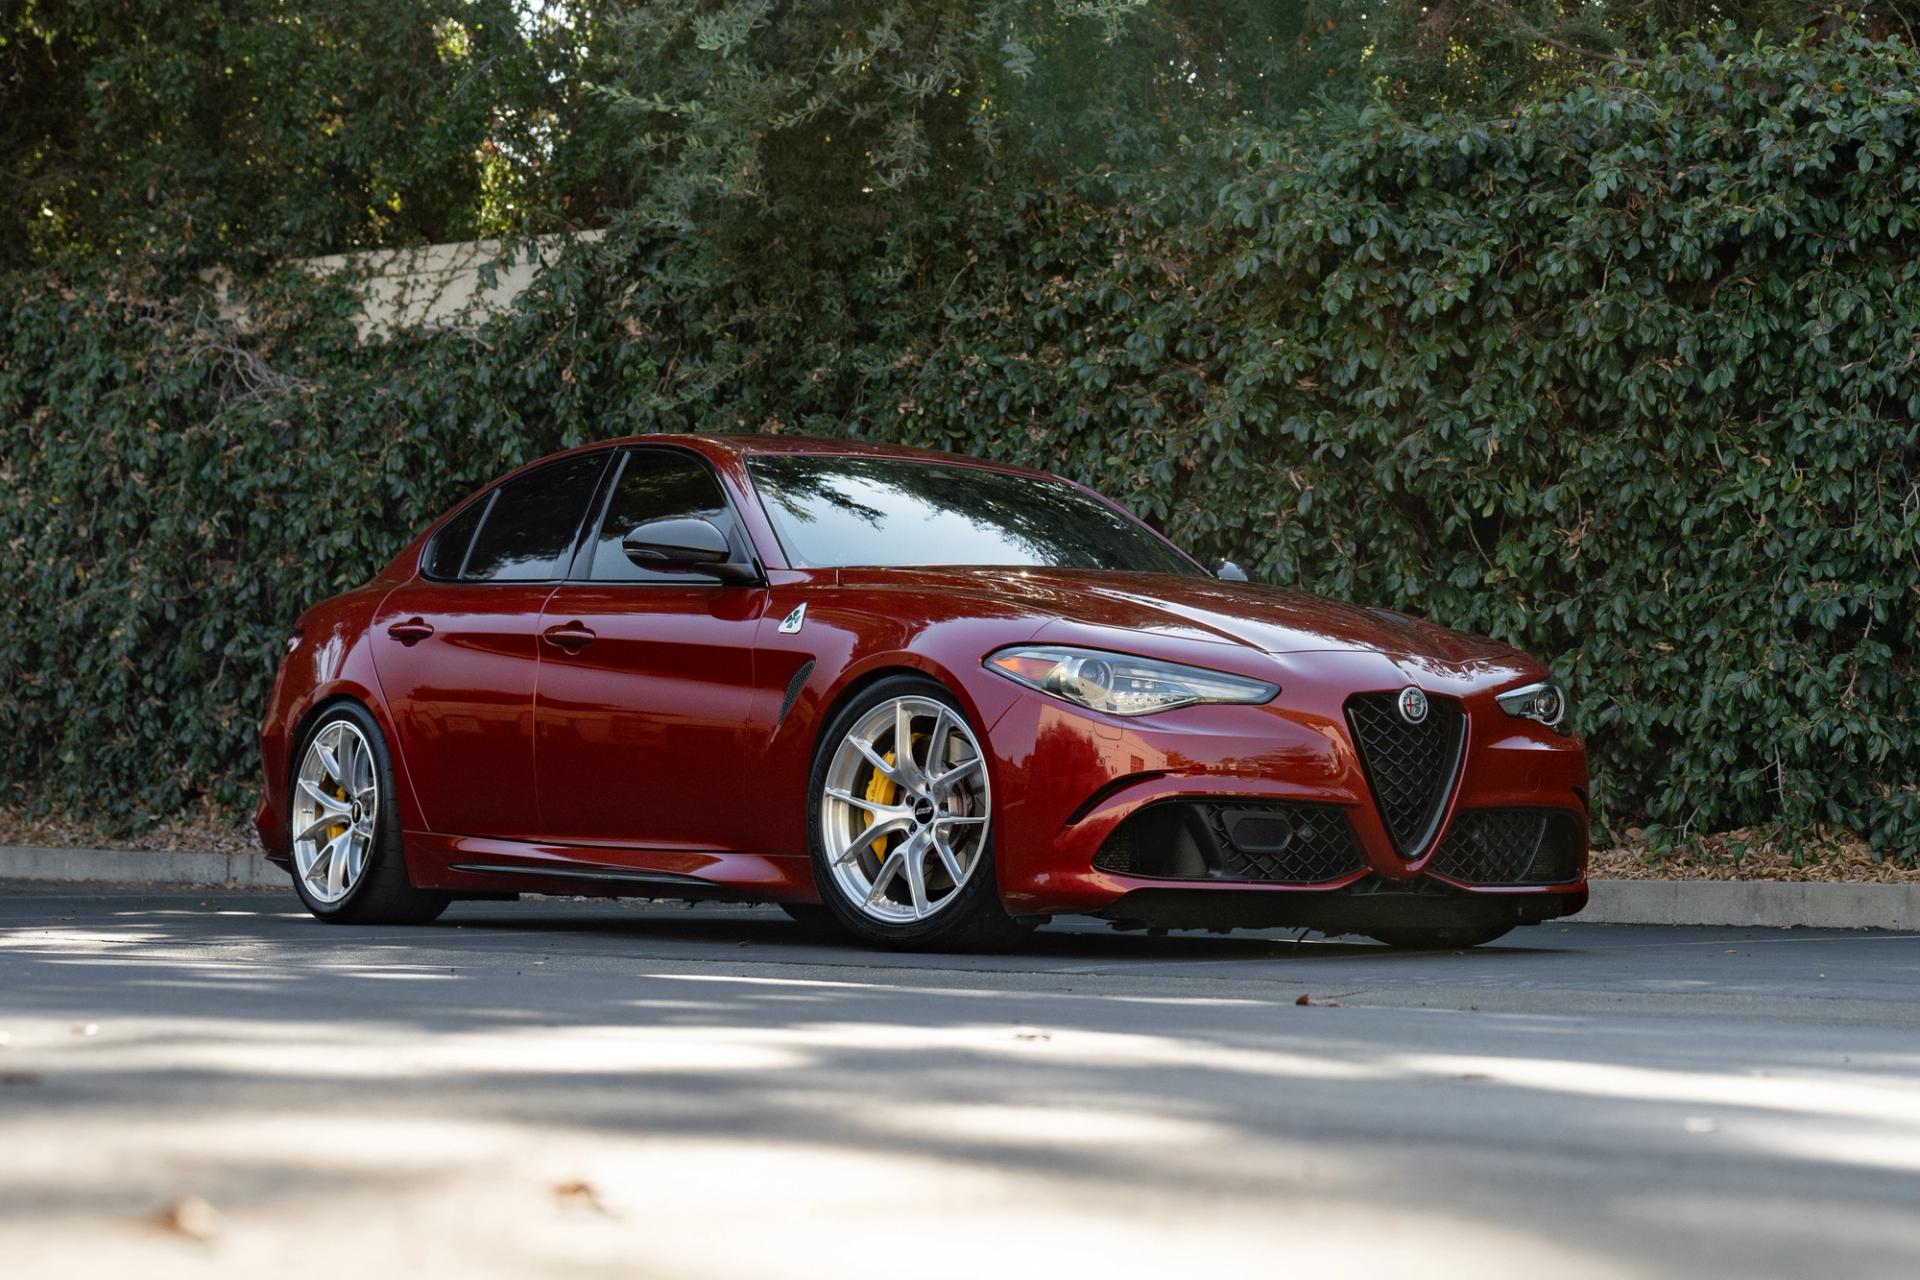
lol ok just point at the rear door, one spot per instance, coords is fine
(646, 677)
(456, 649)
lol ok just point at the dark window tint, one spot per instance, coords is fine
(836, 512)
(656, 484)
(533, 520)
(449, 549)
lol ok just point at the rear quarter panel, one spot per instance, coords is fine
(329, 659)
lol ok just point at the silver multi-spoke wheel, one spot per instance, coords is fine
(905, 809)
(336, 810)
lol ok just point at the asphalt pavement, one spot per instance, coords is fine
(216, 1084)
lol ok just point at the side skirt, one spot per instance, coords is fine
(475, 864)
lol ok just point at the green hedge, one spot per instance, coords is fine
(1628, 378)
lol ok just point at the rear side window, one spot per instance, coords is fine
(656, 484)
(449, 550)
(533, 520)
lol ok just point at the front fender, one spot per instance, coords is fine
(851, 642)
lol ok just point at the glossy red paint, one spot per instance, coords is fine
(593, 737)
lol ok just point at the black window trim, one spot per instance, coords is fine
(484, 501)
(581, 565)
(568, 554)
(466, 557)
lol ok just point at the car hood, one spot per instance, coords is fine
(1271, 619)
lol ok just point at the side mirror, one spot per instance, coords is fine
(1228, 571)
(686, 544)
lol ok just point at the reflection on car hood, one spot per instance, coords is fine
(1272, 619)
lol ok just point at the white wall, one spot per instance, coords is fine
(434, 285)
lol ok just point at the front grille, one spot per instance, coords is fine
(1256, 842)
(1410, 767)
(1511, 846)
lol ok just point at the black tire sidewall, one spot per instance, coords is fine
(976, 910)
(1441, 939)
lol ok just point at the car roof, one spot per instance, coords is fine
(750, 445)
(729, 452)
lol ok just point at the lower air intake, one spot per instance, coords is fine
(1252, 842)
(1512, 846)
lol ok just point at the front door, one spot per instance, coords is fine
(646, 677)
(456, 650)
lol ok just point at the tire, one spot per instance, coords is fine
(1440, 939)
(940, 818)
(815, 918)
(352, 870)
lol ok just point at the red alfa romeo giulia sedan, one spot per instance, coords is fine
(927, 700)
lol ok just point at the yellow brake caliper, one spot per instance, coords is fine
(333, 832)
(881, 790)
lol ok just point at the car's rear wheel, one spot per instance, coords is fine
(900, 822)
(348, 866)
(1439, 939)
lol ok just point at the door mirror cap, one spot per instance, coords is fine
(1228, 571)
(687, 544)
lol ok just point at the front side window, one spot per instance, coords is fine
(843, 512)
(533, 521)
(655, 484)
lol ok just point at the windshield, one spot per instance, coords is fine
(839, 512)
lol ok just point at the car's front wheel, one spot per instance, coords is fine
(900, 822)
(348, 866)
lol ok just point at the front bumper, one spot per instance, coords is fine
(1067, 780)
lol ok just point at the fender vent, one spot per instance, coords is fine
(1410, 767)
(794, 686)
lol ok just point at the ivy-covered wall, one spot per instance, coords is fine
(1629, 376)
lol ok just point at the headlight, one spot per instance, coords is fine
(1121, 685)
(1543, 702)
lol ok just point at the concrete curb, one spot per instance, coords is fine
(1747, 904)
(1754, 903)
(124, 866)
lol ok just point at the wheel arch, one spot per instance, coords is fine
(860, 677)
(348, 694)
(803, 749)
(980, 894)
(312, 715)
(853, 686)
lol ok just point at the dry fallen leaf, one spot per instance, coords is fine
(578, 1191)
(1318, 1004)
(191, 1217)
(1754, 854)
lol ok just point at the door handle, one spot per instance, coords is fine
(411, 631)
(571, 636)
